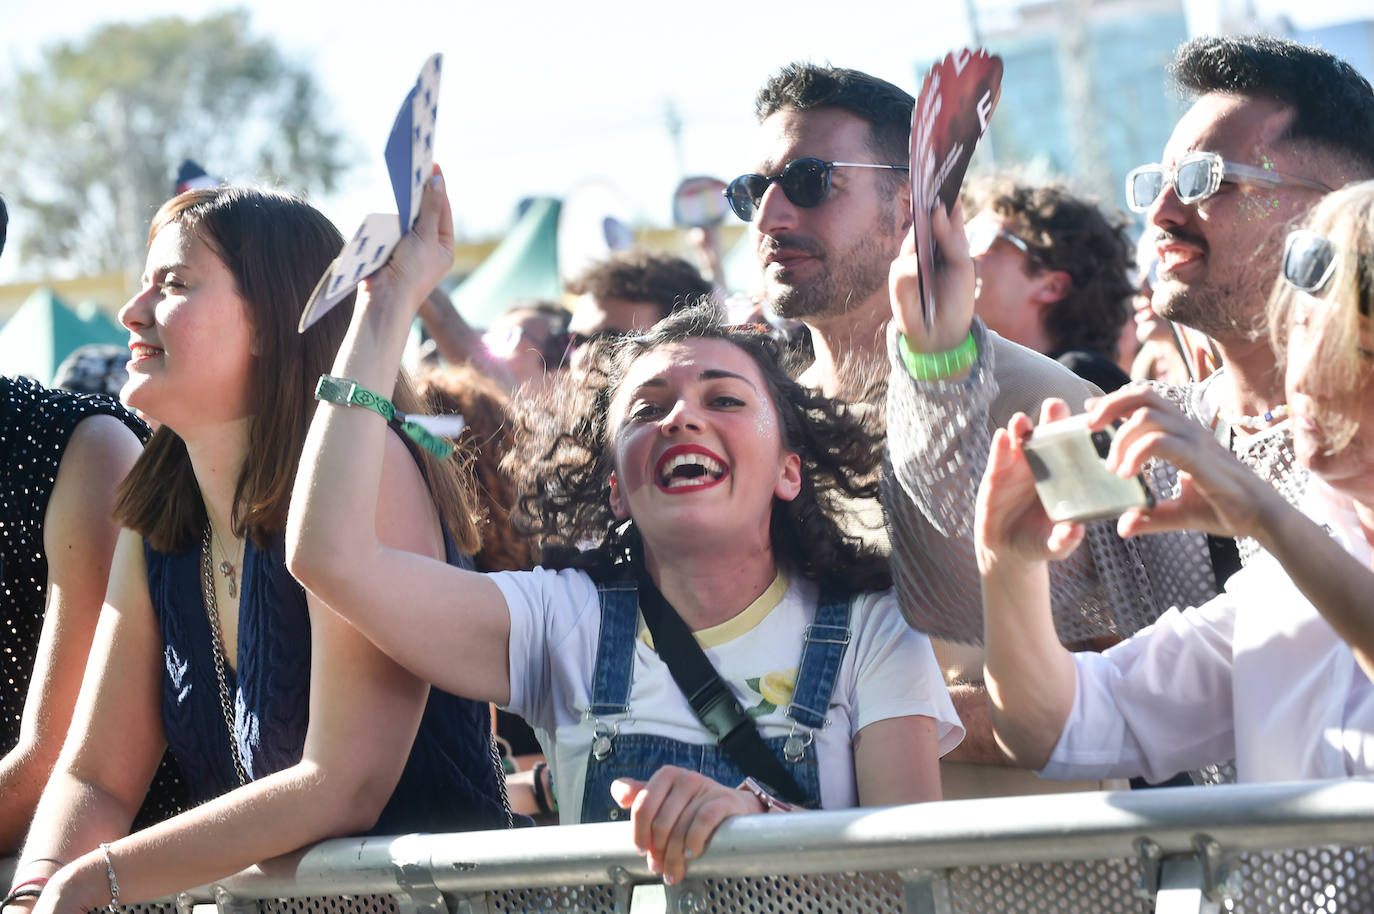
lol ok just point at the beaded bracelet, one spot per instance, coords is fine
(347, 392)
(937, 366)
(113, 906)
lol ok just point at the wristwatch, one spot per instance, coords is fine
(771, 801)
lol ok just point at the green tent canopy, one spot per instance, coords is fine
(523, 266)
(44, 331)
(94, 317)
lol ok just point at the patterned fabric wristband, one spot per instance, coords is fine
(347, 392)
(937, 366)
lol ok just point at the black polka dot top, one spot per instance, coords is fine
(35, 426)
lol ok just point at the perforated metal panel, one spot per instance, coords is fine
(836, 893)
(337, 904)
(581, 899)
(1307, 881)
(1076, 887)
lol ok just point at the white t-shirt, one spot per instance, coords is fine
(888, 671)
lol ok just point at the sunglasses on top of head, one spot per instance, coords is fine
(804, 182)
(1198, 176)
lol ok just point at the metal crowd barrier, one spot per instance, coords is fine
(1289, 848)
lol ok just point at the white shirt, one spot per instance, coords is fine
(888, 671)
(1256, 673)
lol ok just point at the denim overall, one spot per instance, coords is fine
(614, 755)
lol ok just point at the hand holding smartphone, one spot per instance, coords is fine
(1068, 461)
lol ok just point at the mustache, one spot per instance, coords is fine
(801, 244)
(1183, 237)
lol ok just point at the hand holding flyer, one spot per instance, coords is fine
(409, 160)
(952, 112)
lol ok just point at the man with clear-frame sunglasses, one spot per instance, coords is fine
(1274, 124)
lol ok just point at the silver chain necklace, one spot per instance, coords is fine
(217, 647)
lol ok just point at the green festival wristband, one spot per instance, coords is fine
(347, 392)
(937, 366)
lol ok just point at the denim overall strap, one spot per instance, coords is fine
(823, 647)
(615, 649)
(639, 755)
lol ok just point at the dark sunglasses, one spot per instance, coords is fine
(1309, 262)
(805, 182)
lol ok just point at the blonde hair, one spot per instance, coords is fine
(1336, 376)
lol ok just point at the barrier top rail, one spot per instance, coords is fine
(1202, 825)
(929, 836)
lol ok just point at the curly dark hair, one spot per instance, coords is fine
(563, 460)
(643, 275)
(1069, 233)
(1333, 105)
(886, 108)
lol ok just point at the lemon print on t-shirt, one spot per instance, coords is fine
(775, 690)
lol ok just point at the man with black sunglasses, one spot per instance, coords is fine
(829, 203)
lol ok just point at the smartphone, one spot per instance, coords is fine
(1069, 463)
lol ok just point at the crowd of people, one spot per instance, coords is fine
(708, 569)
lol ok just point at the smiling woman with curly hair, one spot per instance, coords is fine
(698, 481)
(569, 442)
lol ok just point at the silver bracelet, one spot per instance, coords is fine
(113, 906)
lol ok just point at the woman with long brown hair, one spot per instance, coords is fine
(288, 726)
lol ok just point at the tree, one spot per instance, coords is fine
(91, 136)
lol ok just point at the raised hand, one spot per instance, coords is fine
(1010, 523)
(1217, 493)
(424, 254)
(954, 286)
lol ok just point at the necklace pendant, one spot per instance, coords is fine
(228, 571)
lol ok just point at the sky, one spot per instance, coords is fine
(539, 97)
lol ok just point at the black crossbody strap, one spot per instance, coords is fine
(712, 701)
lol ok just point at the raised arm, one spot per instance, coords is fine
(1030, 675)
(425, 614)
(79, 536)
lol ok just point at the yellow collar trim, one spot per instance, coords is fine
(746, 620)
